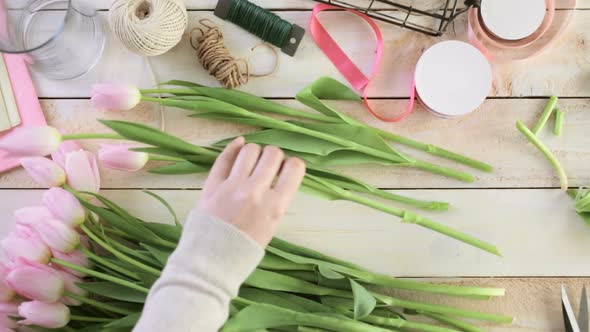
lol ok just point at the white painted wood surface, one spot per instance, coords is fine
(565, 65)
(536, 228)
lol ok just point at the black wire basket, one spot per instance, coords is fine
(432, 21)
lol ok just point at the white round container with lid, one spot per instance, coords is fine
(453, 78)
(512, 19)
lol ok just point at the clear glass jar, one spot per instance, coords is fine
(64, 38)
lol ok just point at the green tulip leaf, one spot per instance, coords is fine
(125, 322)
(113, 291)
(160, 255)
(364, 302)
(180, 168)
(169, 208)
(328, 89)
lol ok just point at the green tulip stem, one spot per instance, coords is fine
(118, 254)
(108, 264)
(435, 150)
(154, 157)
(99, 275)
(285, 110)
(91, 136)
(545, 115)
(546, 152)
(90, 319)
(100, 305)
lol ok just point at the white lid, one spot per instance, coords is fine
(453, 78)
(513, 19)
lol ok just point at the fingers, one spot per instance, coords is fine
(246, 161)
(268, 166)
(223, 165)
(289, 180)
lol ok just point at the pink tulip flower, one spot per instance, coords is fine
(7, 324)
(6, 292)
(35, 281)
(44, 171)
(82, 171)
(31, 141)
(32, 215)
(9, 307)
(8, 310)
(57, 235)
(65, 147)
(118, 97)
(70, 283)
(120, 158)
(24, 242)
(75, 257)
(64, 206)
(49, 315)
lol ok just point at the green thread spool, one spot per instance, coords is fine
(262, 23)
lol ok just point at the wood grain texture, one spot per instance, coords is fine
(489, 135)
(565, 66)
(537, 231)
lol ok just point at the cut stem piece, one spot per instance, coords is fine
(559, 116)
(546, 115)
(546, 152)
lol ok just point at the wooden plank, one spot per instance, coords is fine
(537, 231)
(307, 4)
(561, 70)
(489, 135)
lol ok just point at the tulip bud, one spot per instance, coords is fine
(57, 235)
(6, 292)
(75, 257)
(65, 147)
(32, 215)
(25, 242)
(119, 97)
(70, 282)
(49, 315)
(82, 171)
(44, 171)
(31, 141)
(120, 158)
(64, 206)
(35, 281)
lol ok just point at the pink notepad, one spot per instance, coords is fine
(26, 100)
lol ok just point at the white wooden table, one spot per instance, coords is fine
(517, 207)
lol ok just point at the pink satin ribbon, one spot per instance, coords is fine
(495, 48)
(347, 68)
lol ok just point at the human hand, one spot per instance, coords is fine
(241, 188)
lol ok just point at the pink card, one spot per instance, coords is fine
(27, 101)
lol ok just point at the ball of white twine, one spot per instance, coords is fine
(148, 27)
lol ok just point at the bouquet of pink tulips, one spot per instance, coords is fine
(80, 262)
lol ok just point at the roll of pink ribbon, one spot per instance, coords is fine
(347, 68)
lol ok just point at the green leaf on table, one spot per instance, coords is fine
(113, 291)
(271, 261)
(308, 304)
(125, 322)
(269, 297)
(360, 135)
(260, 316)
(167, 232)
(328, 89)
(167, 206)
(328, 273)
(180, 168)
(341, 158)
(151, 136)
(364, 302)
(289, 140)
(160, 255)
(275, 281)
(187, 84)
